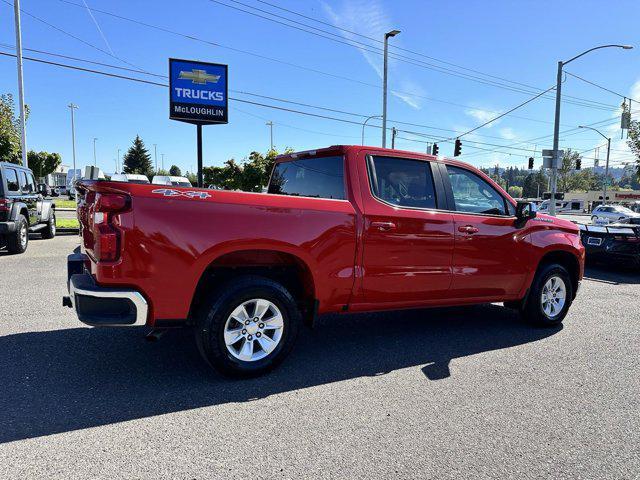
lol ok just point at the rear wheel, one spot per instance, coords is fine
(248, 327)
(50, 230)
(18, 241)
(550, 296)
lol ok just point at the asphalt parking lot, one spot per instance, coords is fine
(448, 393)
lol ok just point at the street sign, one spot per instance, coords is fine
(547, 158)
(197, 92)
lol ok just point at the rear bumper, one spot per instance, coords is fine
(102, 306)
(7, 227)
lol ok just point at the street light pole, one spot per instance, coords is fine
(387, 35)
(23, 120)
(162, 155)
(73, 141)
(118, 164)
(95, 158)
(365, 123)
(606, 168)
(556, 125)
(155, 156)
(270, 125)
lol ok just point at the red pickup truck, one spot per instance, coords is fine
(341, 229)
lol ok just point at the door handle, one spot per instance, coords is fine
(470, 229)
(383, 226)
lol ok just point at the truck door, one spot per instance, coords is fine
(408, 242)
(491, 253)
(29, 195)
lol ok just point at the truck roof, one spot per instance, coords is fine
(343, 149)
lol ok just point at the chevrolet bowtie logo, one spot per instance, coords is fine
(201, 77)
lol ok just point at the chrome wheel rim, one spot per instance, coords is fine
(253, 330)
(24, 235)
(554, 296)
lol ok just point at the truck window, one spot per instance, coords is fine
(472, 194)
(321, 177)
(12, 180)
(402, 182)
(26, 182)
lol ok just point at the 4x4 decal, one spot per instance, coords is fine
(169, 192)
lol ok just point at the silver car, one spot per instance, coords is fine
(612, 214)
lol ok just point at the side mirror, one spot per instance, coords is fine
(525, 211)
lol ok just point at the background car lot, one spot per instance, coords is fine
(447, 393)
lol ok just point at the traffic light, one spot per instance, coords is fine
(457, 149)
(578, 163)
(435, 149)
(530, 163)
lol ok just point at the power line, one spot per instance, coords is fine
(284, 62)
(431, 127)
(599, 86)
(396, 47)
(507, 112)
(378, 51)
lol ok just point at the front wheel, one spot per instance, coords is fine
(594, 219)
(550, 296)
(248, 327)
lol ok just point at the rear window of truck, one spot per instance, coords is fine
(321, 177)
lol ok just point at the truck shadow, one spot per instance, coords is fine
(612, 274)
(64, 380)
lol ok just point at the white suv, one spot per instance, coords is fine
(612, 214)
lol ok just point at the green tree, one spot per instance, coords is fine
(43, 163)
(634, 139)
(9, 130)
(137, 159)
(515, 191)
(567, 164)
(175, 171)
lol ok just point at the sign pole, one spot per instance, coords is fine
(199, 126)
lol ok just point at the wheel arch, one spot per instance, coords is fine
(566, 259)
(284, 267)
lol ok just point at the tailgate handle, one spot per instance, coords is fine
(468, 229)
(383, 226)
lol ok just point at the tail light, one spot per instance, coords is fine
(5, 205)
(106, 223)
(625, 238)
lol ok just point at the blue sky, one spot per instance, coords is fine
(517, 41)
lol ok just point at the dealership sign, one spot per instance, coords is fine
(197, 92)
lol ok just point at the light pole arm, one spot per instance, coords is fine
(595, 130)
(596, 48)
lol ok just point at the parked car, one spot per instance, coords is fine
(23, 209)
(44, 189)
(341, 229)
(612, 214)
(129, 177)
(171, 180)
(612, 244)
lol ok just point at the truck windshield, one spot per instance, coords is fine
(321, 177)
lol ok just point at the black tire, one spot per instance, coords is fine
(18, 241)
(212, 317)
(50, 230)
(533, 310)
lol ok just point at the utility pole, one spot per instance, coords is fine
(270, 125)
(387, 35)
(155, 156)
(162, 155)
(393, 138)
(118, 163)
(95, 159)
(23, 120)
(73, 141)
(556, 125)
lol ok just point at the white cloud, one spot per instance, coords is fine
(482, 116)
(507, 133)
(635, 90)
(370, 18)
